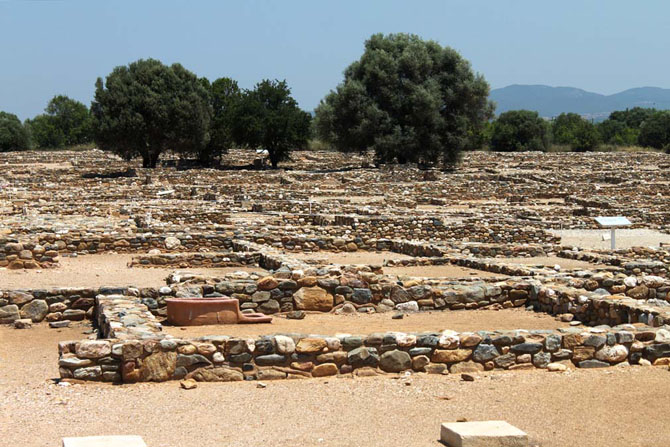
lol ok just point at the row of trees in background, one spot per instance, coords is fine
(147, 108)
(524, 130)
(405, 99)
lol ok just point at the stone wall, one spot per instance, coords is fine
(222, 358)
(18, 255)
(207, 260)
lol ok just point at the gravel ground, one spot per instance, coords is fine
(356, 257)
(618, 407)
(96, 271)
(549, 261)
(361, 324)
(624, 238)
(440, 271)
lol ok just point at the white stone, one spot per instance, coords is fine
(410, 306)
(448, 339)
(482, 434)
(285, 345)
(105, 441)
(662, 336)
(172, 242)
(653, 281)
(630, 281)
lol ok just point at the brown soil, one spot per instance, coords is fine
(550, 261)
(618, 407)
(96, 271)
(357, 257)
(440, 271)
(330, 324)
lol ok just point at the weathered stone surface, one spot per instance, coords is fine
(363, 356)
(313, 298)
(325, 369)
(216, 374)
(93, 349)
(395, 361)
(612, 354)
(158, 367)
(451, 355)
(35, 310)
(466, 367)
(310, 345)
(9, 313)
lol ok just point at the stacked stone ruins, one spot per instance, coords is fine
(486, 217)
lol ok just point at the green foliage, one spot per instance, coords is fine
(564, 126)
(622, 128)
(14, 136)
(147, 108)
(585, 137)
(225, 97)
(268, 117)
(67, 122)
(617, 133)
(573, 130)
(655, 131)
(407, 100)
(520, 130)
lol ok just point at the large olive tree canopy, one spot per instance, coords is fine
(146, 108)
(408, 100)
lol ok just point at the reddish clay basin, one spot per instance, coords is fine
(203, 311)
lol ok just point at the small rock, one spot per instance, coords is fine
(24, 323)
(467, 377)
(188, 384)
(398, 316)
(296, 315)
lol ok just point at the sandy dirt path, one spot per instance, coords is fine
(96, 271)
(330, 324)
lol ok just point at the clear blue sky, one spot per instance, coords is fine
(61, 47)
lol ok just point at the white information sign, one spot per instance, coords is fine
(612, 222)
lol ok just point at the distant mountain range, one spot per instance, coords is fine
(552, 101)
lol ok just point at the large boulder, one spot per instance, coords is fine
(313, 298)
(218, 374)
(395, 361)
(36, 310)
(9, 313)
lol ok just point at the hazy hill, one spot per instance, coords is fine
(552, 101)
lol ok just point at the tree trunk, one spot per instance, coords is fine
(274, 158)
(150, 160)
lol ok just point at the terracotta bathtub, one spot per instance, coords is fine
(202, 311)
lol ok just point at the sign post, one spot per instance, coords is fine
(612, 222)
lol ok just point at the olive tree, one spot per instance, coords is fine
(225, 97)
(67, 122)
(520, 130)
(14, 136)
(268, 117)
(655, 131)
(146, 108)
(408, 100)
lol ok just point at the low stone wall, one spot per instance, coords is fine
(47, 305)
(222, 358)
(17, 255)
(596, 309)
(211, 260)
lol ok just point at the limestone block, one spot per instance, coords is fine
(482, 434)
